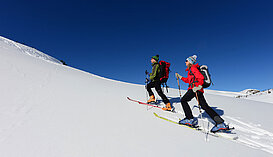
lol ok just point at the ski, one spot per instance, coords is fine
(229, 135)
(156, 106)
(143, 103)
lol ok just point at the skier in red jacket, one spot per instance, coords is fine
(196, 80)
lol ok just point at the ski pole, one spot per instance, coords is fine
(199, 106)
(167, 87)
(146, 82)
(198, 102)
(179, 87)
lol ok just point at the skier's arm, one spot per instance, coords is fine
(185, 79)
(154, 72)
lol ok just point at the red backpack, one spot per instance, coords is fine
(164, 71)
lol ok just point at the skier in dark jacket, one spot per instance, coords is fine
(156, 83)
(195, 80)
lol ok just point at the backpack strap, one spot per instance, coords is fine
(191, 85)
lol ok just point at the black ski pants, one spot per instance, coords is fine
(202, 102)
(157, 85)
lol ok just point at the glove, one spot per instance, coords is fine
(146, 72)
(195, 89)
(178, 76)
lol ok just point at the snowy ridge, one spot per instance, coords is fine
(250, 91)
(27, 50)
(54, 110)
(253, 94)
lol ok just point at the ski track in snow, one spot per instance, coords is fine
(252, 135)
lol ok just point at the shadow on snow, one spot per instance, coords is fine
(176, 100)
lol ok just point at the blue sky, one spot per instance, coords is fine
(117, 38)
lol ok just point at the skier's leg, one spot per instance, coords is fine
(184, 101)
(166, 101)
(160, 92)
(202, 102)
(149, 88)
(151, 94)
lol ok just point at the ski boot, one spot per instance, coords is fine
(222, 127)
(189, 122)
(151, 100)
(168, 107)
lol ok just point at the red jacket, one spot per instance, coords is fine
(195, 78)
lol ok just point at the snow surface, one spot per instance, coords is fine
(52, 110)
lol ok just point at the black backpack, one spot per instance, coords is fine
(205, 72)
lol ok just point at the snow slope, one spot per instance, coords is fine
(51, 110)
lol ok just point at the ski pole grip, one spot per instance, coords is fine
(146, 72)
